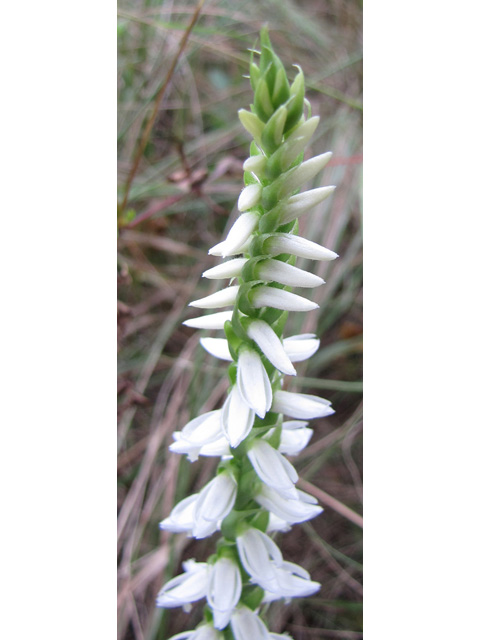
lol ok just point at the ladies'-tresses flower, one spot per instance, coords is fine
(187, 587)
(246, 625)
(201, 514)
(301, 405)
(253, 382)
(294, 437)
(214, 503)
(224, 590)
(291, 510)
(237, 418)
(255, 483)
(272, 468)
(202, 436)
(239, 234)
(259, 556)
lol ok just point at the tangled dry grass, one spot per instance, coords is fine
(181, 201)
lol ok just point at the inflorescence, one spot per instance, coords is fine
(253, 493)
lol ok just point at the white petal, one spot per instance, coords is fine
(277, 524)
(238, 235)
(222, 298)
(287, 274)
(186, 588)
(294, 441)
(249, 197)
(265, 296)
(301, 405)
(212, 321)
(291, 511)
(218, 447)
(214, 503)
(268, 341)
(217, 347)
(230, 269)
(182, 517)
(224, 590)
(253, 382)
(272, 468)
(300, 247)
(184, 447)
(246, 625)
(237, 418)
(203, 429)
(294, 582)
(302, 202)
(301, 347)
(259, 554)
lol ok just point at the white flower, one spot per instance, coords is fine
(300, 247)
(214, 503)
(293, 581)
(212, 321)
(222, 298)
(182, 517)
(290, 510)
(238, 235)
(302, 202)
(301, 405)
(230, 269)
(272, 468)
(187, 587)
(237, 418)
(224, 590)
(294, 437)
(296, 177)
(301, 347)
(287, 274)
(268, 341)
(253, 382)
(259, 556)
(217, 347)
(246, 625)
(265, 296)
(203, 632)
(198, 432)
(249, 197)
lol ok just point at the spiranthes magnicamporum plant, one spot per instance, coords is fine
(253, 493)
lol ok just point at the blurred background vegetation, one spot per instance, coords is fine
(181, 201)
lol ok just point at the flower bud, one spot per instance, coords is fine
(287, 274)
(212, 321)
(249, 197)
(300, 247)
(222, 298)
(303, 202)
(264, 296)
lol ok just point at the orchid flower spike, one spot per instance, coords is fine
(254, 493)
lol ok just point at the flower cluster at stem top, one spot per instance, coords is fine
(253, 493)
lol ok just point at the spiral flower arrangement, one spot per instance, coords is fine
(253, 494)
